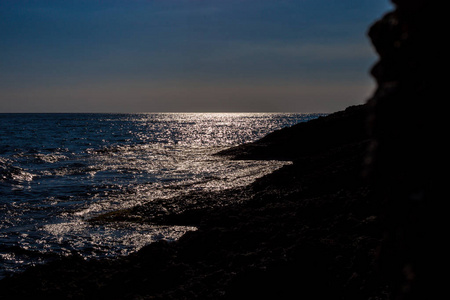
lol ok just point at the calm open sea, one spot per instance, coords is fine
(58, 170)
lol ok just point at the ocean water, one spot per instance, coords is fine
(59, 170)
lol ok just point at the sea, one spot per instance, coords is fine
(59, 170)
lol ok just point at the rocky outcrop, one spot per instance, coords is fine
(404, 155)
(307, 138)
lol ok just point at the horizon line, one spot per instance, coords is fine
(169, 112)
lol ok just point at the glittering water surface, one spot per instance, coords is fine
(58, 170)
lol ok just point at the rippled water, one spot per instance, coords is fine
(57, 170)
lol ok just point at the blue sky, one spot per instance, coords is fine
(185, 55)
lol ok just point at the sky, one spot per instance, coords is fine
(186, 55)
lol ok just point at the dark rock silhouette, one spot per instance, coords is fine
(404, 154)
(309, 138)
(349, 219)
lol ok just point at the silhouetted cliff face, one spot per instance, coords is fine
(404, 155)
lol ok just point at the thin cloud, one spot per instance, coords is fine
(297, 50)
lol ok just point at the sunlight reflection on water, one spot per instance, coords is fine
(58, 170)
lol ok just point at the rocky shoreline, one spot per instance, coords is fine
(310, 228)
(350, 218)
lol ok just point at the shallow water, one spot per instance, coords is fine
(58, 170)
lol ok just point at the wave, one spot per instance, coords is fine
(41, 157)
(10, 173)
(50, 158)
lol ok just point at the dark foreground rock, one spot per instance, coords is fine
(406, 148)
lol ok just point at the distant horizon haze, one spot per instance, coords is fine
(117, 56)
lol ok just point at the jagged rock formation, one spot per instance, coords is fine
(405, 151)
